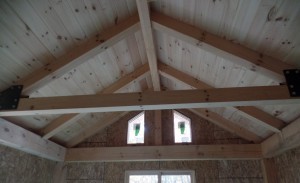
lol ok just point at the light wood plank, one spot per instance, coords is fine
(267, 120)
(157, 127)
(227, 125)
(94, 129)
(144, 14)
(269, 171)
(16, 137)
(66, 120)
(260, 117)
(236, 53)
(78, 55)
(59, 124)
(221, 97)
(169, 153)
(278, 143)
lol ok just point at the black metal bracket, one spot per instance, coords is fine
(292, 77)
(9, 98)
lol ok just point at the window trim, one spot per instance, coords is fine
(190, 124)
(160, 173)
(132, 119)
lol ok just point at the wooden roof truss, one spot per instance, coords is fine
(204, 96)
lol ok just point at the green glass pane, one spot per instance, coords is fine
(137, 129)
(182, 127)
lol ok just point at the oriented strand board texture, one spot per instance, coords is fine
(206, 171)
(85, 173)
(288, 166)
(20, 167)
(203, 132)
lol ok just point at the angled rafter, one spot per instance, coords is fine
(94, 129)
(66, 120)
(267, 120)
(79, 55)
(253, 113)
(176, 152)
(227, 125)
(278, 143)
(16, 137)
(236, 53)
(144, 14)
(221, 97)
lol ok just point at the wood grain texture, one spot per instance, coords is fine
(92, 130)
(158, 127)
(144, 14)
(236, 53)
(152, 153)
(240, 96)
(227, 125)
(287, 139)
(64, 121)
(269, 171)
(21, 139)
(79, 55)
(255, 114)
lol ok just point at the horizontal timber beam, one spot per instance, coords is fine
(236, 53)
(287, 139)
(254, 114)
(16, 137)
(66, 120)
(79, 55)
(173, 152)
(221, 97)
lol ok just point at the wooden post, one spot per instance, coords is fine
(60, 173)
(269, 171)
(158, 127)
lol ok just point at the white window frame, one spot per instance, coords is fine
(142, 127)
(159, 173)
(174, 127)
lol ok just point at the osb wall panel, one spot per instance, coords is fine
(205, 171)
(17, 167)
(203, 132)
(85, 173)
(116, 134)
(288, 166)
